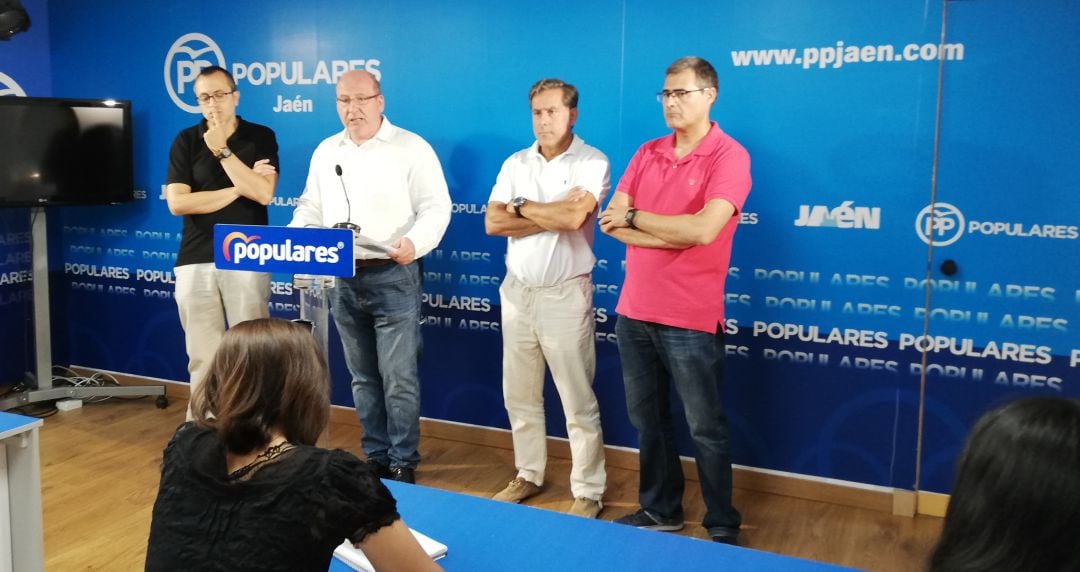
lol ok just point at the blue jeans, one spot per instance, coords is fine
(377, 313)
(653, 358)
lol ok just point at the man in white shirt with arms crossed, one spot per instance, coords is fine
(544, 202)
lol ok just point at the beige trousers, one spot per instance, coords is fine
(552, 325)
(207, 298)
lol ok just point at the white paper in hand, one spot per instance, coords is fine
(355, 558)
(364, 247)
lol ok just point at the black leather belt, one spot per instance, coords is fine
(369, 262)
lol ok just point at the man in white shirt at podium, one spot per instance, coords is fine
(387, 182)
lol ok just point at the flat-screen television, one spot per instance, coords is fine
(64, 152)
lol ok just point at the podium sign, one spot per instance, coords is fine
(316, 251)
(314, 256)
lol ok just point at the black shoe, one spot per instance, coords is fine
(725, 535)
(403, 475)
(726, 539)
(647, 520)
(381, 471)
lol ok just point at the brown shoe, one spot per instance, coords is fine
(587, 508)
(518, 490)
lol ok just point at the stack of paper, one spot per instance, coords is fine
(356, 559)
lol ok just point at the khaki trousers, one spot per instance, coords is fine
(552, 325)
(207, 298)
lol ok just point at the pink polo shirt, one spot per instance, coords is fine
(683, 288)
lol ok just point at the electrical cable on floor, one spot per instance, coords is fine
(68, 377)
(40, 410)
(98, 379)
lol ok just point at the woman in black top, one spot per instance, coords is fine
(1016, 503)
(244, 488)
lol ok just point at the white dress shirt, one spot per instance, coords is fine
(548, 258)
(395, 184)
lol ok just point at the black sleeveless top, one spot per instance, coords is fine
(290, 514)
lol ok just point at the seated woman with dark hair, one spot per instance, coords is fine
(1016, 503)
(244, 488)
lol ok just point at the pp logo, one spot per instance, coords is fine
(9, 87)
(186, 58)
(232, 237)
(940, 224)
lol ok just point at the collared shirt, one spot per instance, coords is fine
(548, 258)
(683, 288)
(395, 186)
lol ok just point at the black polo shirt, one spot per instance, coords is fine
(191, 163)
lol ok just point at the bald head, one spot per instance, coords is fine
(360, 104)
(358, 79)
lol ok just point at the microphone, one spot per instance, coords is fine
(348, 204)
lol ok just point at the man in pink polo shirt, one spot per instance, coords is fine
(676, 208)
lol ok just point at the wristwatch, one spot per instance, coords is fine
(517, 203)
(629, 218)
(223, 153)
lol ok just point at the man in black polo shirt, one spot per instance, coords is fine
(222, 170)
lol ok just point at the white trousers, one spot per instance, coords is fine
(553, 325)
(207, 298)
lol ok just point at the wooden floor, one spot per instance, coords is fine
(100, 469)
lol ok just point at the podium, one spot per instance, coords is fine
(315, 306)
(314, 256)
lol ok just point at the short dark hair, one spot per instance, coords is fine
(211, 70)
(570, 93)
(1016, 503)
(266, 374)
(703, 70)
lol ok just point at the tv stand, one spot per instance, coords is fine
(40, 387)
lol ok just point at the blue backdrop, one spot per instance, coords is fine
(829, 314)
(25, 69)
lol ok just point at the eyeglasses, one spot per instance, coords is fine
(216, 96)
(361, 99)
(678, 95)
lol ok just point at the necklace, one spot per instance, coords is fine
(262, 459)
